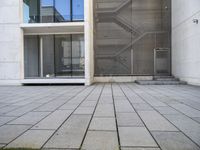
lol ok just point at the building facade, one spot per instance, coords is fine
(87, 41)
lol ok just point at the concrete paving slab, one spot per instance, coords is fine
(142, 107)
(167, 110)
(51, 106)
(71, 134)
(136, 136)
(10, 132)
(54, 120)
(103, 124)
(129, 119)
(174, 141)
(155, 122)
(4, 119)
(123, 106)
(22, 110)
(104, 110)
(188, 126)
(30, 118)
(100, 140)
(140, 148)
(197, 119)
(88, 104)
(187, 110)
(31, 139)
(84, 111)
(7, 109)
(69, 106)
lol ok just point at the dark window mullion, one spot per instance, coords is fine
(71, 11)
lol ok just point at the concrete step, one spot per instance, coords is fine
(166, 79)
(160, 82)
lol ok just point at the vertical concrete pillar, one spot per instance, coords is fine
(89, 47)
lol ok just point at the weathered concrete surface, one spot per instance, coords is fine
(113, 116)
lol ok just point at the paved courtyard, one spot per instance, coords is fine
(123, 116)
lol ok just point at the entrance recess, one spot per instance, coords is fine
(126, 34)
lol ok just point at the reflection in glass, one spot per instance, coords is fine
(63, 55)
(44, 11)
(78, 55)
(31, 11)
(48, 55)
(78, 10)
(47, 11)
(31, 56)
(62, 10)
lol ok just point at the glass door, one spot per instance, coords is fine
(63, 59)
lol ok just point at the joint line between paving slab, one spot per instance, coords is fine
(139, 116)
(172, 122)
(41, 119)
(69, 115)
(92, 117)
(118, 137)
(42, 104)
(165, 117)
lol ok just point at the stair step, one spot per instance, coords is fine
(166, 79)
(163, 77)
(156, 82)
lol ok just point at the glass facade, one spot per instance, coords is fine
(127, 33)
(51, 56)
(47, 11)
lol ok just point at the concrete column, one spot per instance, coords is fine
(186, 40)
(89, 47)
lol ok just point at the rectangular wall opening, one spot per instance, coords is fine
(54, 56)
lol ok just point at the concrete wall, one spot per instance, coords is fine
(10, 41)
(186, 40)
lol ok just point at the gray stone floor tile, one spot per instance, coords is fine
(136, 136)
(51, 106)
(84, 111)
(123, 106)
(104, 110)
(129, 119)
(31, 139)
(174, 141)
(103, 124)
(88, 104)
(140, 148)
(22, 110)
(54, 120)
(71, 134)
(167, 110)
(69, 106)
(155, 122)
(100, 140)
(142, 107)
(8, 108)
(30, 118)
(187, 110)
(188, 126)
(10, 132)
(4, 119)
(197, 119)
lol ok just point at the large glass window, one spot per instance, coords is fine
(78, 10)
(32, 55)
(50, 56)
(47, 11)
(62, 10)
(31, 11)
(44, 11)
